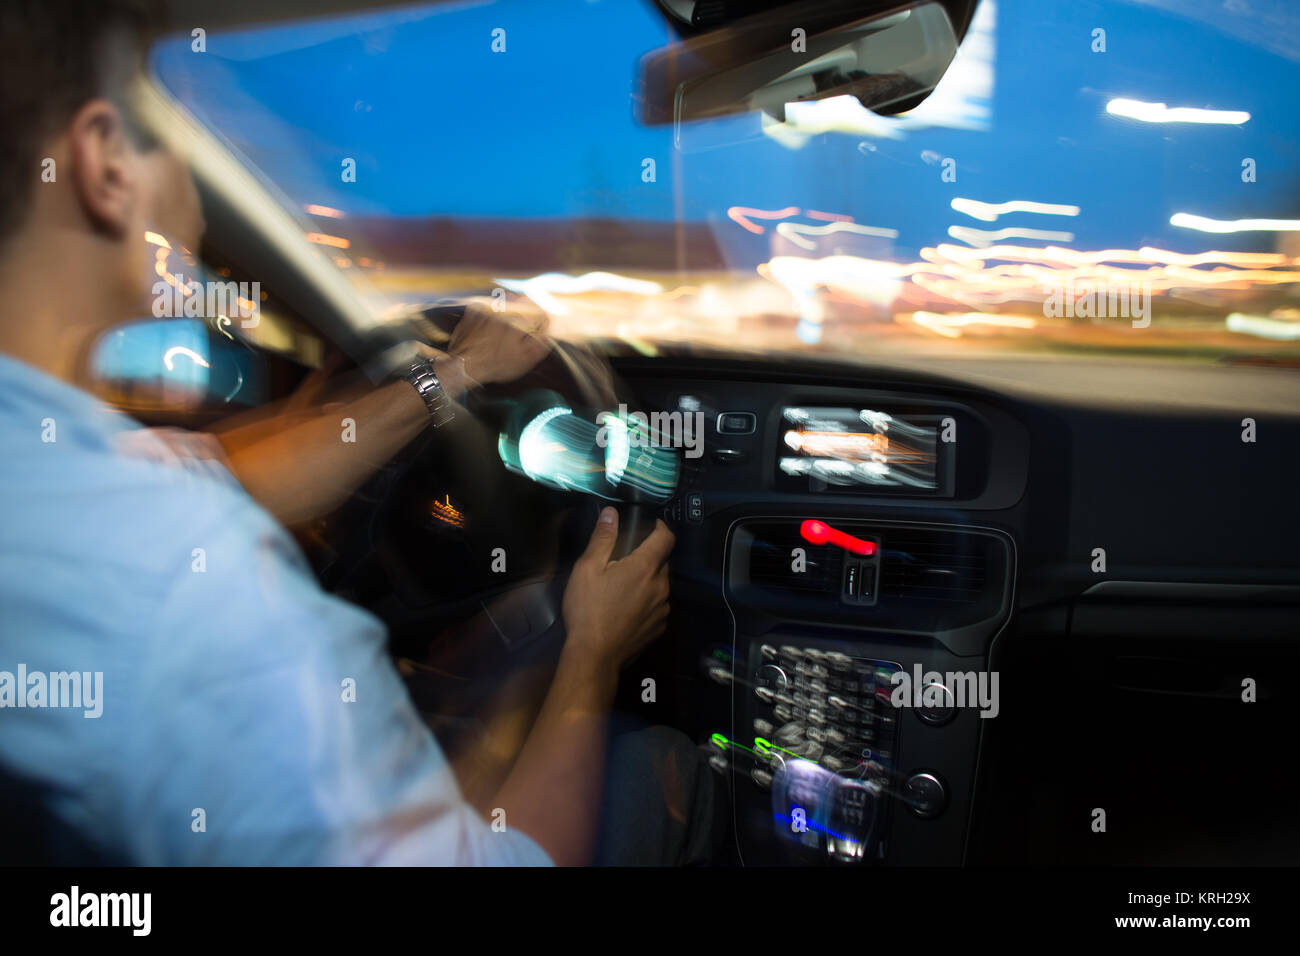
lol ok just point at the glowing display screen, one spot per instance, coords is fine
(861, 449)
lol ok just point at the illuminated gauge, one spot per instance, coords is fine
(537, 450)
(618, 448)
(556, 448)
(635, 462)
(610, 456)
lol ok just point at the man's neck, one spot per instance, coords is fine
(54, 305)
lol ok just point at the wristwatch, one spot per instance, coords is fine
(425, 381)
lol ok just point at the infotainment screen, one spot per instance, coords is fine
(862, 449)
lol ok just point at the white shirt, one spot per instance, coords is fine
(224, 734)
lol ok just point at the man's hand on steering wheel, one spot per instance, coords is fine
(488, 346)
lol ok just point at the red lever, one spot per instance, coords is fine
(819, 532)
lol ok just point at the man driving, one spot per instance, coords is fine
(240, 714)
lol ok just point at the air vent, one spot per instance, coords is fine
(934, 567)
(946, 581)
(770, 559)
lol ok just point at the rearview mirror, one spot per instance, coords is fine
(889, 61)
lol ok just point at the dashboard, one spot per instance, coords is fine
(922, 618)
(887, 551)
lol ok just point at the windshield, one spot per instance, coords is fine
(1100, 179)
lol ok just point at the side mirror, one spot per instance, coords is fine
(174, 365)
(889, 61)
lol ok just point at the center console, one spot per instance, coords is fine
(858, 684)
(842, 527)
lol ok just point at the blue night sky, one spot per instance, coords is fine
(441, 125)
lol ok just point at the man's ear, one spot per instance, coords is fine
(103, 173)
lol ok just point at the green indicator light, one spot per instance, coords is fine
(764, 748)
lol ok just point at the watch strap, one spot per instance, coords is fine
(425, 381)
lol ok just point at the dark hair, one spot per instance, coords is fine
(55, 56)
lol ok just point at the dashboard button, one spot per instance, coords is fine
(925, 795)
(773, 677)
(737, 423)
(867, 585)
(938, 704)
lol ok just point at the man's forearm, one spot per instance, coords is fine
(554, 792)
(304, 468)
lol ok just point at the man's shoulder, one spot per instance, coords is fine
(95, 501)
(136, 542)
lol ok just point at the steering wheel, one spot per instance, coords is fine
(464, 559)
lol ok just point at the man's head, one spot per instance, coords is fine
(80, 180)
